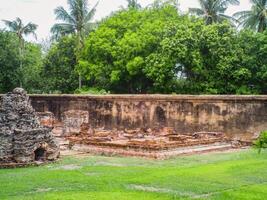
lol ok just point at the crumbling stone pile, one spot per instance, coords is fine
(22, 138)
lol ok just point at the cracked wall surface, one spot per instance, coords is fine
(236, 116)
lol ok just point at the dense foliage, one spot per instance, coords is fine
(11, 73)
(159, 51)
(32, 68)
(59, 67)
(9, 61)
(142, 50)
(116, 56)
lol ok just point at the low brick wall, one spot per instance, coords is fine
(236, 116)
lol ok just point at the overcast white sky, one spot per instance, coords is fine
(41, 12)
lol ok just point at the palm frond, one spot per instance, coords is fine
(230, 19)
(196, 11)
(61, 29)
(91, 13)
(214, 10)
(62, 14)
(133, 4)
(12, 25)
(30, 28)
(18, 27)
(226, 3)
(256, 18)
(75, 20)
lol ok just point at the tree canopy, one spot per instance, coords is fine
(157, 50)
(154, 49)
(59, 67)
(10, 73)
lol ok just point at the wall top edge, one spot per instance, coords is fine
(154, 97)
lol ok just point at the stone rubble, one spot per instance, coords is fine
(152, 140)
(22, 138)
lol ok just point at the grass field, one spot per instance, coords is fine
(235, 175)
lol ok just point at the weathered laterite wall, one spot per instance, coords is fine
(237, 116)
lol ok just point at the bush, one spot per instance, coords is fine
(261, 143)
(91, 90)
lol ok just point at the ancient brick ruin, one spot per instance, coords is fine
(157, 126)
(155, 143)
(23, 140)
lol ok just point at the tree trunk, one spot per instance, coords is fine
(262, 25)
(20, 62)
(80, 81)
(79, 48)
(78, 55)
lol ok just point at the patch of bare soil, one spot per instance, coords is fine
(163, 190)
(68, 167)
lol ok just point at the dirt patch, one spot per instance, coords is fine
(92, 174)
(68, 167)
(40, 190)
(109, 164)
(161, 190)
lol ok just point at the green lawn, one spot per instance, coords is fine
(239, 175)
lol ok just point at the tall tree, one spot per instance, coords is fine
(21, 30)
(76, 22)
(9, 59)
(213, 11)
(133, 4)
(59, 67)
(256, 18)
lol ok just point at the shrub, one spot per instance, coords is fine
(261, 143)
(91, 90)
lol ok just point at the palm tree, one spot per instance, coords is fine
(213, 10)
(133, 4)
(256, 18)
(21, 30)
(75, 22)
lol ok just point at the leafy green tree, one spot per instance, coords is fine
(115, 55)
(10, 71)
(21, 30)
(32, 68)
(210, 60)
(9, 61)
(255, 47)
(213, 11)
(76, 22)
(58, 72)
(256, 18)
(156, 50)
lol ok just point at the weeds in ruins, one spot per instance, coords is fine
(216, 176)
(261, 143)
